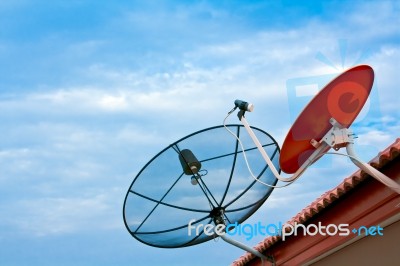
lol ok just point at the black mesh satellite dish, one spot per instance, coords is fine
(202, 178)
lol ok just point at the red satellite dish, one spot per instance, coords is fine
(341, 99)
(322, 125)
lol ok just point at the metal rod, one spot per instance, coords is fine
(246, 248)
(387, 181)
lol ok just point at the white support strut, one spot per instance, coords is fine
(344, 137)
(246, 248)
(387, 181)
(219, 220)
(315, 155)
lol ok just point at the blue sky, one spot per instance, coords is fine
(92, 90)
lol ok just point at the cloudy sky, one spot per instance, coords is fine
(92, 90)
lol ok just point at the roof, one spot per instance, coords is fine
(326, 199)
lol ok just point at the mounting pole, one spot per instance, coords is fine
(248, 249)
(343, 137)
(387, 181)
(218, 218)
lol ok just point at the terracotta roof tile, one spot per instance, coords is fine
(383, 158)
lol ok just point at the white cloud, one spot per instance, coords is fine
(63, 215)
(110, 102)
(375, 137)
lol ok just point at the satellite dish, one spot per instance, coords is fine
(201, 179)
(341, 99)
(323, 124)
